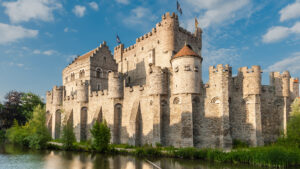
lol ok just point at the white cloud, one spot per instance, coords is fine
(26, 10)
(125, 2)
(47, 52)
(219, 56)
(10, 33)
(79, 10)
(139, 16)
(291, 64)
(278, 33)
(94, 6)
(67, 29)
(216, 12)
(275, 34)
(290, 12)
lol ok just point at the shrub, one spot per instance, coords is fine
(100, 136)
(2, 135)
(239, 144)
(147, 151)
(34, 133)
(68, 137)
(293, 126)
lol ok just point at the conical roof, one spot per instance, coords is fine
(186, 51)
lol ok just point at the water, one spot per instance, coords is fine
(14, 157)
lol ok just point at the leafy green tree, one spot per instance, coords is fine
(19, 106)
(34, 133)
(28, 102)
(100, 136)
(39, 133)
(68, 137)
(293, 127)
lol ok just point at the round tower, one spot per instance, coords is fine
(187, 71)
(157, 81)
(166, 33)
(115, 85)
(57, 95)
(251, 80)
(82, 91)
(285, 83)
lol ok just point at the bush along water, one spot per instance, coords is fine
(68, 137)
(100, 137)
(34, 133)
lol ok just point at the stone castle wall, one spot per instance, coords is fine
(147, 96)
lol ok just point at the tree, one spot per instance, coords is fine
(100, 136)
(34, 133)
(68, 137)
(293, 127)
(19, 106)
(28, 102)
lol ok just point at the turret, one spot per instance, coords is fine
(294, 87)
(82, 91)
(187, 71)
(118, 53)
(251, 80)
(115, 85)
(57, 95)
(219, 74)
(281, 83)
(166, 33)
(157, 81)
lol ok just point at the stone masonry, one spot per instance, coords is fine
(152, 92)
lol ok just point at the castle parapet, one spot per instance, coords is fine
(251, 80)
(281, 83)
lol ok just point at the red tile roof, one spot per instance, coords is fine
(186, 51)
(296, 81)
(86, 55)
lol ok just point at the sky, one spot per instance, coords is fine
(38, 38)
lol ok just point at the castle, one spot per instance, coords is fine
(152, 92)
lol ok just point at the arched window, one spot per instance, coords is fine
(176, 100)
(72, 76)
(215, 100)
(98, 73)
(81, 73)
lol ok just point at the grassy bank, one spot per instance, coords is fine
(270, 156)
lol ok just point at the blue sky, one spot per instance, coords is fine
(38, 38)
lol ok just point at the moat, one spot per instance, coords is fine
(16, 157)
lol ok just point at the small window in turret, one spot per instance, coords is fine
(196, 69)
(187, 68)
(176, 69)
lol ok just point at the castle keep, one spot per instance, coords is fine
(152, 92)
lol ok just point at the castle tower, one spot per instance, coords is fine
(281, 82)
(218, 104)
(82, 91)
(157, 81)
(186, 66)
(118, 54)
(187, 71)
(294, 87)
(251, 94)
(115, 85)
(166, 32)
(57, 95)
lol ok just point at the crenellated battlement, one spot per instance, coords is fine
(253, 70)
(220, 69)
